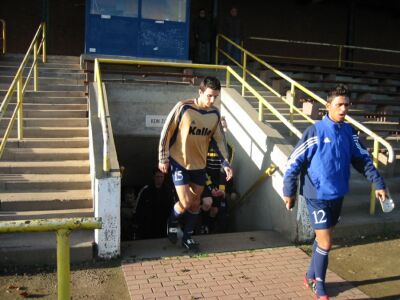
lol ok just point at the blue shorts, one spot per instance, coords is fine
(181, 176)
(324, 214)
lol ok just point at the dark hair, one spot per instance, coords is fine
(339, 90)
(210, 82)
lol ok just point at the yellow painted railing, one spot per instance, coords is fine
(339, 61)
(19, 85)
(245, 55)
(63, 228)
(3, 36)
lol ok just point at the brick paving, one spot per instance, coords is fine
(273, 273)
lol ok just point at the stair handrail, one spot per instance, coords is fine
(38, 44)
(294, 84)
(245, 54)
(101, 113)
(3, 36)
(340, 48)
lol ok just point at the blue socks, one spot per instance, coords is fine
(190, 223)
(311, 269)
(320, 260)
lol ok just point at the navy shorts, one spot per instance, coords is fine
(181, 176)
(324, 214)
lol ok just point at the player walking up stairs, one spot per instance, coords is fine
(46, 175)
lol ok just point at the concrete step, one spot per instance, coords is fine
(48, 132)
(66, 113)
(49, 58)
(46, 214)
(73, 142)
(56, 100)
(45, 69)
(41, 94)
(39, 248)
(50, 87)
(45, 167)
(43, 73)
(44, 81)
(362, 224)
(44, 154)
(29, 182)
(49, 122)
(45, 106)
(360, 203)
(45, 199)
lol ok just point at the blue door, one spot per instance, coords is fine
(141, 28)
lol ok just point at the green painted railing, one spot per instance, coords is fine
(63, 228)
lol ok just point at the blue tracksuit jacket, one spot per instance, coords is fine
(323, 157)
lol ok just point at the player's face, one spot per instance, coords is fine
(338, 108)
(208, 97)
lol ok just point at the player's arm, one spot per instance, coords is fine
(168, 130)
(362, 162)
(301, 155)
(219, 143)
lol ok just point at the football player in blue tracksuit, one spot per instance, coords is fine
(323, 158)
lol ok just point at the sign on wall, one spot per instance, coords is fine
(155, 120)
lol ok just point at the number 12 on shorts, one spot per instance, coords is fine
(319, 216)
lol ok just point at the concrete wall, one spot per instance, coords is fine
(106, 187)
(257, 145)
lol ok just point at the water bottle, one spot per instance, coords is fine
(387, 204)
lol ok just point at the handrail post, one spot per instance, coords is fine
(44, 49)
(244, 72)
(63, 264)
(35, 66)
(340, 56)
(260, 111)
(4, 36)
(375, 160)
(216, 49)
(20, 100)
(291, 110)
(228, 78)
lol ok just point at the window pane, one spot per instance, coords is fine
(121, 8)
(168, 10)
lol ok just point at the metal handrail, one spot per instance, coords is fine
(63, 228)
(294, 84)
(19, 85)
(3, 36)
(340, 50)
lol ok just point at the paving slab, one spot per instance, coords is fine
(247, 265)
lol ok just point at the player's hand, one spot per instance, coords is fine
(289, 201)
(229, 173)
(381, 194)
(164, 167)
(217, 193)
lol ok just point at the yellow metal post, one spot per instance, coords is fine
(244, 72)
(63, 264)
(44, 50)
(340, 56)
(228, 77)
(4, 36)
(35, 66)
(260, 111)
(216, 49)
(375, 161)
(291, 110)
(20, 100)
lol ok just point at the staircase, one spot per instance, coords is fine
(46, 175)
